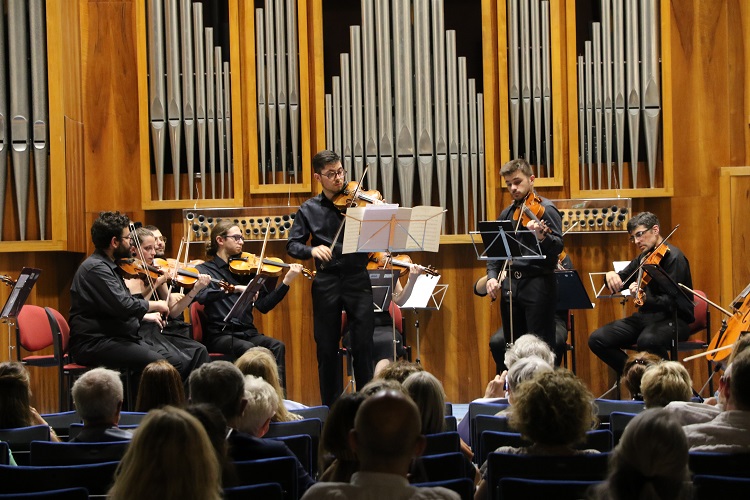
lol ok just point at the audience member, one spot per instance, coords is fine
(399, 370)
(378, 384)
(665, 382)
(222, 384)
(98, 396)
(260, 362)
(160, 385)
(635, 365)
(385, 438)
(170, 457)
(522, 370)
(649, 462)
(729, 432)
(337, 460)
(262, 403)
(216, 428)
(553, 410)
(15, 399)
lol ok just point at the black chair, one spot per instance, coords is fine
(4, 453)
(310, 426)
(464, 487)
(266, 491)
(617, 423)
(66, 494)
(75, 429)
(483, 423)
(51, 453)
(566, 468)
(512, 487)
(96, 478)
(443, 466)
(319, 412)
(600, 440)
(480, 409)
(710, 487)
(301, 446)
(60, 422)
(720, 464)
(442, 442)
(282, 470)
(451, 423)
(20, 439)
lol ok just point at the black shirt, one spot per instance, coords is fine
(218, 303)
(319, 218)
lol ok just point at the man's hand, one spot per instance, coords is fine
(496, 387)
(322, 252)
(614, 282)
(492, 287)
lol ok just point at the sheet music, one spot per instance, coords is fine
(418, 228)
(422, 291)
(367, 229)
(619, 265)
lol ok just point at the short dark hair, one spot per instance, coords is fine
(514, 165)
(645, 219)
(107, 226)
(323, 158)
(219, 383)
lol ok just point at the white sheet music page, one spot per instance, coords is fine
(619, 265)
(422, 291)
(367, 228)
(418, 228)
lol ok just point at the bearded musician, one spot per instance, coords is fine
(651, 327)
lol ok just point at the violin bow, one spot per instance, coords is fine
(263, 252)
(341, 226)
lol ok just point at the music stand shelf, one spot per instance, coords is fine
(17, 298)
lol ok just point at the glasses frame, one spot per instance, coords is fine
(235, 237)
(638, 235)
(333, 175)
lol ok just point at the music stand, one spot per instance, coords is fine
(21, 290)
(571, 293)
(668, 285)
(502, 242)
(246, 298)
(426, 295)
(382, 281)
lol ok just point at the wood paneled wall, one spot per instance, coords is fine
(711, 122)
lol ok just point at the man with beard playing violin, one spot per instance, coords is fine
(342, 281)
(533, 300)
(240, 334)
(651, 328)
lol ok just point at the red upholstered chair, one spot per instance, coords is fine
(33, 333)
(197, 320)
(67, 370)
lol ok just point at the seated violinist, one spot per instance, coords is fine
(240, 334)
(651, 327)
(173, 341)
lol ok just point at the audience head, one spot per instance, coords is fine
(378, 384)
(260, 362)
(738, 380)
(650, 461)
(334, 440)
(160, 385)
(665, 382)
(427, 392)
(15, 395)
(632, 373)
(528, 345)
(170, 457)
(262, 403)
(386, 433)
(399, 370)
(221, 384)
(742, 343)
(97, 396)
(215, 426)
(524, 369)
(554, 408)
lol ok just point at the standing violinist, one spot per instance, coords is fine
(240, 334)
(342, 281)
(528, 287)
(651, 327)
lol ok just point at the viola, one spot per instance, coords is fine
(346, 198)
(383, 260)
(185, 276)
(248, 263)
(653, 258)
(133, 268)
(730, 332)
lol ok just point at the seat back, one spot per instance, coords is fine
(464, 487)
(19, 440)
(708, 487)
(700, 312)
(60, 422)
(484, 422)
(128, 418)
(282, 470)
(75, 429)
(4, 453)
(64, 494)
(720, 464)
(301, 446)
(309, 426)
(442, 442)
(60, 325)
(480, 409)
(606, 406)
(441, 467)
(319, 412)
(451, 423)
(196, 321)
(33, 328)
(512, 487)
(617, 423)
(52, 453)
(96, 478)
(267, 491)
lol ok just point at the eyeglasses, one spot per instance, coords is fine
(236, 237)
(128, 237)
(333, 174)
(162, 239)
(639, 234)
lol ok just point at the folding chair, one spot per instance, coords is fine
(282, 470)
(197, 320)
(51, 453)
(464, 487)
(442, 442)
(33, 334)
(19, 440)
(96, 478)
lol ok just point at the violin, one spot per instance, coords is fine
(730, 332)
(346, 198)
(185, 276)
(532, 209)
(382, 260)
(643, 278)
(133, 268)
(248, 263)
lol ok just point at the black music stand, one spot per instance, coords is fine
(571, 293)
(680, 296)
(502, 242)
(21, 290)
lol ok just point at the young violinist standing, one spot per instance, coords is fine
(342, 281)
(651, 327)
(241, 334)
(531, 305)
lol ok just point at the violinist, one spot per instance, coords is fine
(161, 241)
(173, 341)
(651, 326)
(533, 301)
(342, 281)
(104, 316)
(240, 335)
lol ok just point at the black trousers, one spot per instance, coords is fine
(115, 352)
(235, 344)
(333, 292)
(652, 332)
(533, 311)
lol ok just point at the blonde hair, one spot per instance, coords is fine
(260, 362)
(170, 457)
(427, 392)
(665, 382)
(262, 403)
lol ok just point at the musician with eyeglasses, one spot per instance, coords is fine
(651, 327)
(342, 280)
